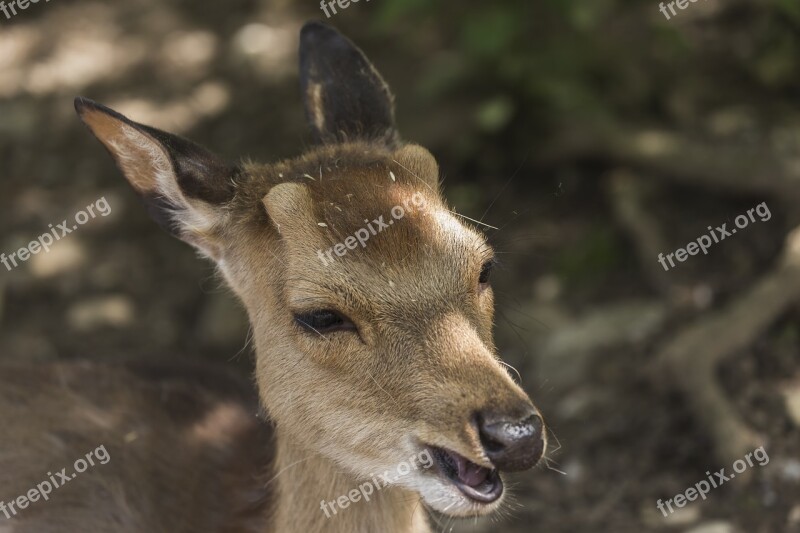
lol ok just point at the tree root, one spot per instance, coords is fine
(734, 167)
(691, 357)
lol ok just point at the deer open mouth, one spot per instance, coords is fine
(476, 482)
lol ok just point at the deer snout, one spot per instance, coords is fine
(512, 443)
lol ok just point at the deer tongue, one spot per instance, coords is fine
(482, 485)
(469, 473)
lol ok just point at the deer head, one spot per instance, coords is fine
(370, 300)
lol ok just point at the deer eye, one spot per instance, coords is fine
(486, 271)
(323, 321)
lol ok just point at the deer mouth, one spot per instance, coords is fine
(479, 484)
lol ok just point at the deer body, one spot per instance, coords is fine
(185, 450)
(361, 362)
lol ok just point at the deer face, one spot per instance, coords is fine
(370, 300)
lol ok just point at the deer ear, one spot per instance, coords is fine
(345, 97)
(183, 186)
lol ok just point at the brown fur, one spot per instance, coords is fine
(186, 451)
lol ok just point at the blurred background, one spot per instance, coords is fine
(593, 135)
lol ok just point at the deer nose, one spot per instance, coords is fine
(512, 444)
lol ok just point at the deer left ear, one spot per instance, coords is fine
(183, 185)
(345, 97)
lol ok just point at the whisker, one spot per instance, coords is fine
(472, 220)
(512, 368)
(506, 185)
(247, 340)
(379, 386)
(547, 462)
(415, 175)
(282, 470)
(553, 433)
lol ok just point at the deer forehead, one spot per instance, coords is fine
(360, 251)
(382, 225)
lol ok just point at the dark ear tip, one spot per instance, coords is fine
(83, 104)
(316, 31)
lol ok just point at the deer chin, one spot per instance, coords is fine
(443, 496)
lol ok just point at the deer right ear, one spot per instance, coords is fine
(345, 97)
(183, 186)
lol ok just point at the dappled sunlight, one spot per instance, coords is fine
(108, 311)
(655, 143)
(220, 426)
(67, 256)
(80, 60)
(180, 114)
(82, 53)
(16, 47)
(270, 50)
(188, 53)
(89, 45)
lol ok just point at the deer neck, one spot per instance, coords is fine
(304, 480)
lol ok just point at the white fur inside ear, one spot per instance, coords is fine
(149, 169)
(146, 165)
(316, 105)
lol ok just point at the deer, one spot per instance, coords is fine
(361, 362)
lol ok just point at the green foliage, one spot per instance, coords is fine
(599, 58)
(791, 8)
(495, 114)
(590, 259)
(490, 32)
